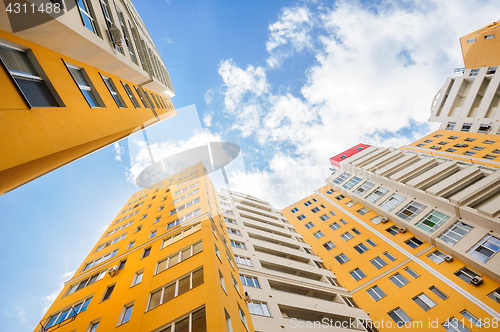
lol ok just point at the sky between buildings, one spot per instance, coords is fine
(292, 83)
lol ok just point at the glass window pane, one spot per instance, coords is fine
(197, 277)
(36, 92)
(169, 293)
(198, 321)
(174, 259)
(155, 299)
(17, 61)
(89, 96)
(182, 325)
(184, 285)
(186, 253)
(197, 248)
(162, 266)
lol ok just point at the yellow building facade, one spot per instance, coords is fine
(63, 100)
(481, 48)
(164, 264)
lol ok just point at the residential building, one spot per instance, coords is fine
(181, 257)
(74, 84)
(481, 48)
(289, 285)
(413, 232)
(164, 264)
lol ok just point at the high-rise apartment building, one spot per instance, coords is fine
(413, 232)
(164, 264)
(74, 84)
(289, 285)
(179, 257)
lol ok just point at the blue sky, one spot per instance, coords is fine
(292, 83)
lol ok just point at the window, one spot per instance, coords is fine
(342, 178)
(468, 153)
(428, 140)
(424, 301)
(250, 281)
(309, 225)
(243, 317)
(497, 151)
(456, 232)
(88, 90)
(466, 127)
(414, 242)
(371, 242)
(122, 264)
(315, 209)
(86, 282)
(451, 150)
(438, 292)
(100, 260)
(131, 95)
(259, 308)
(237, 244)
(233, 231)
(126, 313)
(484, 128)
(454, 325)
(108, 292)
(466, 274)
(294, 210)
(410, 211)
(152, 234)
(334, 281)
(472, 318)
(331, 191)
(339, 197)
(488, 141)
(93, 327)
(350, 302)
(361, 248)
(342, 258)
(357, 274)
(334, 226)
(318, 234)
(351, 203)
(231, 221)
(432, 221)
(351, 183)
(137, 278)
(229, 324)
(478, 148)
(377, 219)
(471, 40)
(443, 143)
(112, 89)
(217, 252)
(332, 213)
(222, 282)
(346, 236)
(376, 194)
(301, 217)
(343, 221)
(392, 202)
(470, 139)
(87, 16)
(363, 211)
(243, 260)
(324, 217)
(451, 125)
(180, 256)
(398, 280)
(389, 256)
(489, 156)
(26, 77)
(355, 231)
(68, 313)
(436, 256)
(420, 144)
(378, 262)
(376, 293)
(412, 273)
(363, 188)
(146, 252)
(485, 248)
(307, 203)
(328, 245)
(495, 295)
(393, 230)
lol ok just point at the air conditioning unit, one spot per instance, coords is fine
(464, 145)
(448, 258)
(476, 281)
(436, 147)
(402, 229)
(112, 271)
(384, 220)
(115, 36)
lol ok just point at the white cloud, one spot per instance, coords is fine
(21, 315)
(118, 151)
(68, 275)
(142, 159)
(377, 69)
(207, 119)
(291, 33)
(49, 299)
